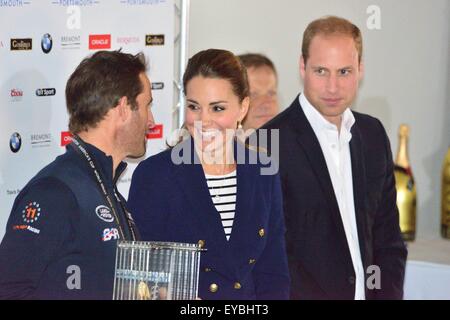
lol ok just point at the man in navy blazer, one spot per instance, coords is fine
(343, 237)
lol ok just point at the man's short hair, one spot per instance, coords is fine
(257, 60)
(97, 85)
(328, 26)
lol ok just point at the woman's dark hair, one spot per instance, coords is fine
(218, 64)
(97, 85)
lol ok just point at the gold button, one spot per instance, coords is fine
(213, 287)
(237, 285)
(207, 269)
(251, 261)
(261, 232)
(201, 243)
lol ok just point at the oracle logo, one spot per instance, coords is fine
(99, 41)
(156, 132)
(66, 138)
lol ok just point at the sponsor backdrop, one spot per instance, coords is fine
(43, 44)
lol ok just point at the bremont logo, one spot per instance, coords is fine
(21, 44)
(154, 40)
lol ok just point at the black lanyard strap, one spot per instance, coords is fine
(80, 148)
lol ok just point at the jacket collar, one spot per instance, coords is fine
(102, 161)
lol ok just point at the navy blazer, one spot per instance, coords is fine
(319, 258)
(171, 202)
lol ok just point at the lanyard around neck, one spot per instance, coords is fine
(80, 148)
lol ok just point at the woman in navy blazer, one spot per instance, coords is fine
(171, 198)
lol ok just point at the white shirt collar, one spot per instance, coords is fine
(320, 124)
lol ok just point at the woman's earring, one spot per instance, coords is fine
(239, 125)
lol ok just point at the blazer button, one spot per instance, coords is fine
(261, 232)
(201, 243)
(213, 287)
(207, 269)
(351, 280)
(237, 285)
(251, 261)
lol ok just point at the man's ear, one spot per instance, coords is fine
(361, 70)
(123, 108)
(302, 66)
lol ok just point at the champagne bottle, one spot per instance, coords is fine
(406, 188)
(445, 198)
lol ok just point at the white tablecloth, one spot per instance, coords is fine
(427, 273)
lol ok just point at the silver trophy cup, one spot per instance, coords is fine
(156, 271)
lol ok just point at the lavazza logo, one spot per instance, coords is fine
(45, 92)
(21, 44)
(99, 41)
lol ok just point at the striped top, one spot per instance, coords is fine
(223, 194)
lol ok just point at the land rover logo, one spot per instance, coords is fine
(104, 213)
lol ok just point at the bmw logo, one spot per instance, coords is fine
(46, 43)
(15, 142)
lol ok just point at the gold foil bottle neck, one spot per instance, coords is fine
(405, 185)
(402, 159)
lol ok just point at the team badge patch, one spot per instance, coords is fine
(31, 212)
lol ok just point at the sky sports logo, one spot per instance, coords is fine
(99, 41)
